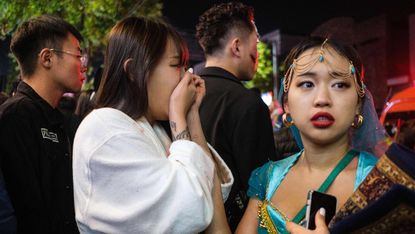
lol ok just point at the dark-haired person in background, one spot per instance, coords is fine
(235, 120)
(406, 135)
(35, 150)
(285, 143)
(85, 103)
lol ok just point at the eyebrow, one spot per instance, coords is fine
(335, 73)
(312, 74)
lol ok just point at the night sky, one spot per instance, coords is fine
(296, 17)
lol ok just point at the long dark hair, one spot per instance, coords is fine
(143, 41)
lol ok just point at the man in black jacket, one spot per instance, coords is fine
(235, 120)
(35, 147)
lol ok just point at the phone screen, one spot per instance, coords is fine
(315, 201)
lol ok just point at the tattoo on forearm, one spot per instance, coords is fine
(173, 125)
(183, 135)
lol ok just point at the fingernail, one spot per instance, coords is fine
(190, 70)
(322, 211)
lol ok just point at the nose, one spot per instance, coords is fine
(322, 97)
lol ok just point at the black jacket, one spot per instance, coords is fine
(35, 157)
(237, 124)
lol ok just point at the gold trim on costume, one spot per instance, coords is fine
(386, 174)
(394, 173)
(264, 218)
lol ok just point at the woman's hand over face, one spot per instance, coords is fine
(183, 96)
(200, 91)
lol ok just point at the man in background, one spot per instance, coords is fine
(35, 150)
(235, 120)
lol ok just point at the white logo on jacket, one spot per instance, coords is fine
(49, 135)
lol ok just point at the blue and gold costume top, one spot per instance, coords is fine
(265, 180)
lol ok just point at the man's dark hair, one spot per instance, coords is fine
(285, 143)
(35, 34)
(217, 23)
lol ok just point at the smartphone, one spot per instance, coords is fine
(315, 201)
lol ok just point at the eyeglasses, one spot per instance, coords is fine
(82, 57)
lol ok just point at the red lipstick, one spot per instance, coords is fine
(322, 120)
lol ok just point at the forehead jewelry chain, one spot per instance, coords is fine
(303, 68)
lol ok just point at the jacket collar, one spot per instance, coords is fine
(53, 115)
(220, 73)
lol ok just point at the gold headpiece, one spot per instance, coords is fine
(340, 72)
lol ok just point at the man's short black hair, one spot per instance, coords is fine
(219, 21)
(32, 36)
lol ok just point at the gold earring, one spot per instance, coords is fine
(285, 120)
(359, 123)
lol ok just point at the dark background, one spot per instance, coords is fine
(383, 33)
(297, 17)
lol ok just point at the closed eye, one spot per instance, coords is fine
(177, 65)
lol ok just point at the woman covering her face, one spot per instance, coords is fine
(326, 102)
(128, 175)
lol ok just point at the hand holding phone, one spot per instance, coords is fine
(315, 201)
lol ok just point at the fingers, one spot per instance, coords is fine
(321, 226)
(198, 81)
(191, 79)
(193, 83)
(320, 221)
(186, 74)
(295, 228)
(183, 72)
(187, 78)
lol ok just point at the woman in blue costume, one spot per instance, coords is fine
(326, 102)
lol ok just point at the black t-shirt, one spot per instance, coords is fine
(36, 160)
